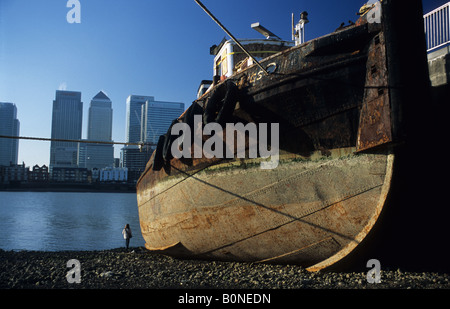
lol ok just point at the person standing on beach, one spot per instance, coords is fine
(126, 232)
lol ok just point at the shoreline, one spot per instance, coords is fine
(140, 269)
(62, 187)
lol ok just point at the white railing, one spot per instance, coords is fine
(437, 27)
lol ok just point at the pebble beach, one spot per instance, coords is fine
(137, 268)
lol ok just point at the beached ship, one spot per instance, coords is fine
(339, 104)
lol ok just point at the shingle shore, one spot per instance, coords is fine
(138, 268)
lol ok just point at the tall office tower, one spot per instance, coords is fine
(157, 118)
(100, 118)
(9, 126)
(147, 119)
(99, 129)
(135, 107)
(132, 157)
(66, 124)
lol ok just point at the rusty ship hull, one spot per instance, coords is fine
(339, 126)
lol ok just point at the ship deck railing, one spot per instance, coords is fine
(437, 27)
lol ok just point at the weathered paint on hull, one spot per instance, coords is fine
(309, 212)
(325, 195)
(342, 102)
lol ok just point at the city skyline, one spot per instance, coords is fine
(149, 47)
(68, 123)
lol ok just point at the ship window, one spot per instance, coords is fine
(218, 66)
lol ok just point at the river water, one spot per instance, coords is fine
(55, 221)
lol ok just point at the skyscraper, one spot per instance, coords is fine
(100, 118)
(157, 118)
(99, 129)
(9, 126)
(147, 119)
(135, 108)
(67, 118)
(132, 157)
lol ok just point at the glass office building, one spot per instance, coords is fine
(157, 118)
(146, 120)
(135, 107)
(9, 126)
(99, 128)
(67, 118)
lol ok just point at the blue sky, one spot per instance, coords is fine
(124, 47)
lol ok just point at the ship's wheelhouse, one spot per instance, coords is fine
(230, 58)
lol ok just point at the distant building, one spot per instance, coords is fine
(157, 118)
(147, 120)
(9, 126)
(100, 118)
(135, 160)
(99, 128)
(70, 175)
(92, 156)
(38, 174)
(67, 118)
(14, 173)
(134, 120)
(95, 175)
(114, 174)
(131, 157)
